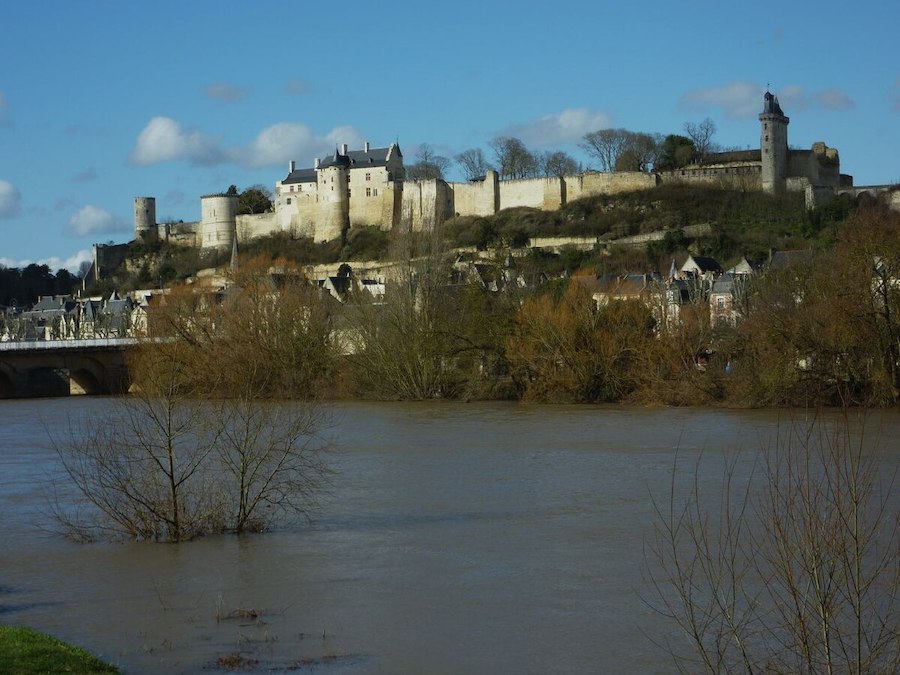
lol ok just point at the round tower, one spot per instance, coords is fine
(145, 219)
(334, 191)
(773, 144)
(218, 222)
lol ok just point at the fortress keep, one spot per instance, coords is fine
(368, 187)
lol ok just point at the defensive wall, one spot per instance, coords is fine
(367, 188)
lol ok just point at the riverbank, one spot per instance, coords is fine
(23, 650)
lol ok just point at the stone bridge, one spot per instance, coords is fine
(63, 367)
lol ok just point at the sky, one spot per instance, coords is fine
(102, 101)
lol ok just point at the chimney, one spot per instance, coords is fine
(344, 149)
(316, 160)
(291, 166)
(367, 146)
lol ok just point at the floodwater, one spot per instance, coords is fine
(456, 538)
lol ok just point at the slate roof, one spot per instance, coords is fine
(723, 285)
(301, 176)
(354, 159)
(704, 264)
(770, 105)
(733, 157)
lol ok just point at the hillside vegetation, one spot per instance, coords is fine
(743, 223)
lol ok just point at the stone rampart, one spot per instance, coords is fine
(254, 225)
(477, 198)
(425, 203)
(747, 177)
(537, 193)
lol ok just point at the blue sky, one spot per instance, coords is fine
(102, 101)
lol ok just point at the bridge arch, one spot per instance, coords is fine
(87, 376)
(7, 379)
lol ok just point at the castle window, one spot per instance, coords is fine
(374, 192)
(368, 176)
(368, 192)
(288, 200)
(348, 193)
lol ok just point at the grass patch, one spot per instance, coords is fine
(23, 650)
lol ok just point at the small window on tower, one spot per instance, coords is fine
(368, 192)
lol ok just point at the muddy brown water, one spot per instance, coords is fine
(457, 538)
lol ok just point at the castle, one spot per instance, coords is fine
(368, 187)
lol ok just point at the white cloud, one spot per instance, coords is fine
(833, 99)
(285, 141)
(93, 220)
(567, 126)
(744, 99)
(164, 139)
(736, 99)
(225, 92)
(796, 97)
(10, 200)
(72, 263)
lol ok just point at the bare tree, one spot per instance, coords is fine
(605, 145)
(794, 569)
(473, 163)
(198, 448)
(429, 165)
(142, 472)
(558, 164)
(513, 158)
(645, 148)
(701, 134)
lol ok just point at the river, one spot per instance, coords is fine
(456, 538)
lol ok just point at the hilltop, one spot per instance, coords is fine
(740, 223)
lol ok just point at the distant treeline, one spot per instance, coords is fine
(23, 287)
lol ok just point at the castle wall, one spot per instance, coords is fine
(371, 197)
(820, 165)
(425, 203)
(298, 212)
(537, 193)
(477, 198)
(598, 183)
(180, 234)
(745, 176)
(254, 225)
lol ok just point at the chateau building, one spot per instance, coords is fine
(368, 187)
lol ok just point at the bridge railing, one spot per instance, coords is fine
(92, 343)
